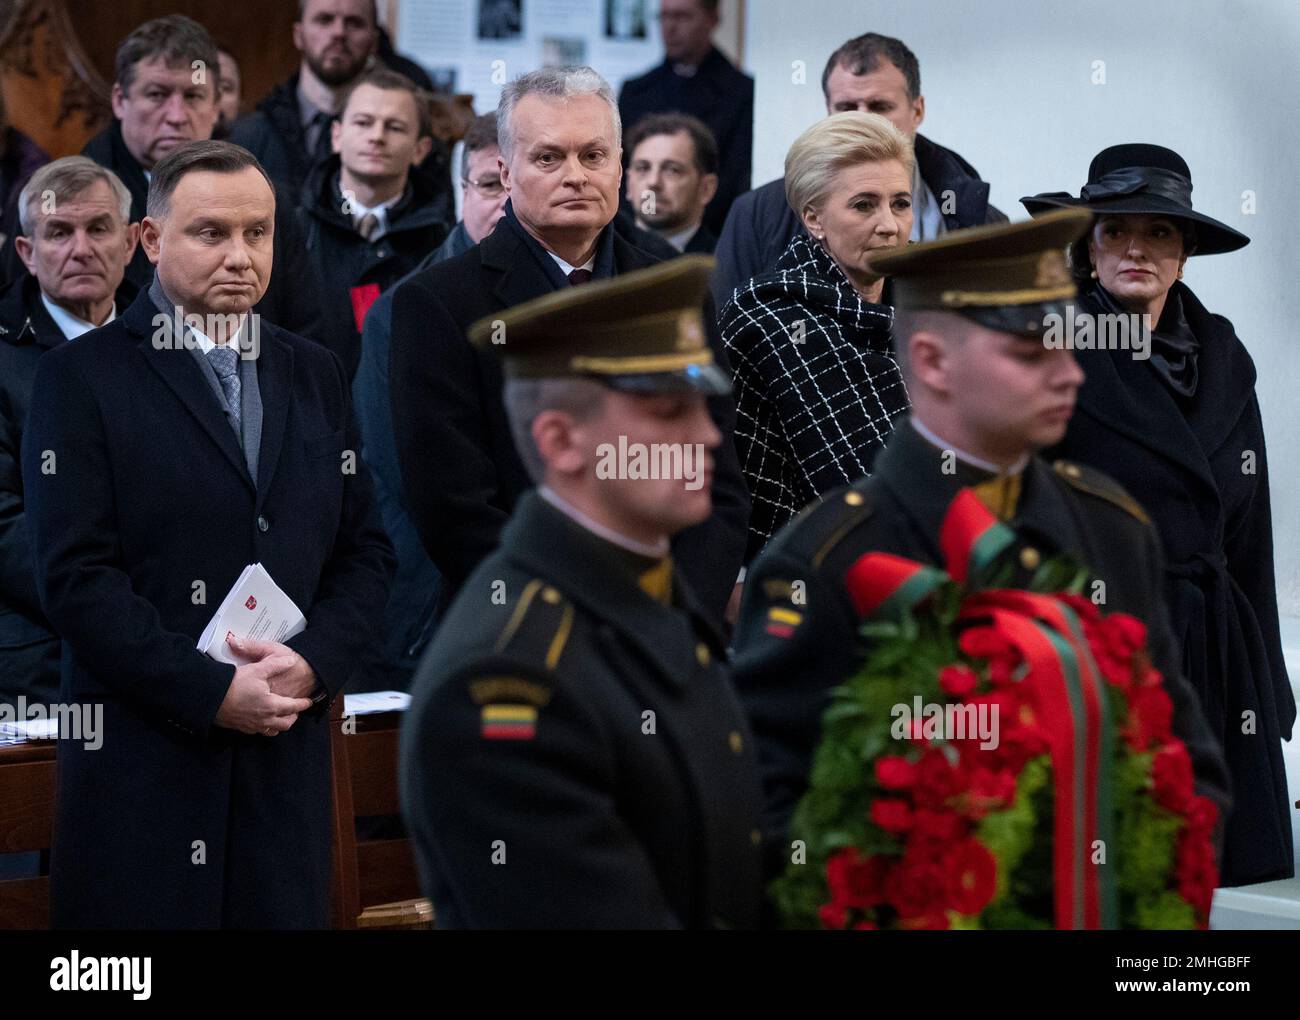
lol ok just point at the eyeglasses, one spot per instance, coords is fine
(488, 187)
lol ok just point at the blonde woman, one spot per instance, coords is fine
(817, 388)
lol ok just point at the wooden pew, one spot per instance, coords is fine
(27, 784)
(374, 879)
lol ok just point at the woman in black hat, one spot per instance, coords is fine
(1178, 423)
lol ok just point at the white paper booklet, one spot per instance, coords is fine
(254, 608)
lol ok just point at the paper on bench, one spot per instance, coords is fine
(254, 608)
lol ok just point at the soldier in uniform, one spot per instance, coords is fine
(575, 755)
(972, 313)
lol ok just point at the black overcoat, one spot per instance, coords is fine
(173, 822)
(1198, 467)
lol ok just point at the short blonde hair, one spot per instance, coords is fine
(840, 140)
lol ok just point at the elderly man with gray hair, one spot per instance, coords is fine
(76, 240)
(560, 140)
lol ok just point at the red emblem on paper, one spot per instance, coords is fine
(251, 603)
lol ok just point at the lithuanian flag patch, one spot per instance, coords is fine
(509, 722)
(782, 622)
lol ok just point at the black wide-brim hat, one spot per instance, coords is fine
(1139, 178)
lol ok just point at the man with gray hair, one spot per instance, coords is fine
(560, 141)
(76, 240)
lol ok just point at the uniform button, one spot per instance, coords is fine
(755, 837)
(702, 653)
(1030, 558)
(853, 498)
(263, 524)
(550, 595)
(736, 741)
(1070, 470)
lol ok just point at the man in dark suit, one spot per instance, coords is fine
(158, 105)
(559, 138)
(672, 175)
(873, 74)
(574, 755)
(696, 79)
(164, 453)
(75, 250)
(987, 393)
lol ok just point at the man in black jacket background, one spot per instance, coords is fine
(368, 216)
(560, 139)
(696, 79)
(874, 74)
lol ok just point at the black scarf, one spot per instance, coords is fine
(1174, 347)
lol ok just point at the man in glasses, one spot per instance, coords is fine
(412, 605)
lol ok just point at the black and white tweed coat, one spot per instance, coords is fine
(817, 388)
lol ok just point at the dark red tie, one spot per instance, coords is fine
(577, 276)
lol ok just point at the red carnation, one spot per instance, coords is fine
(958, 681)
(937, 782)
(895, 773)
(892, 814)
(854, 881)
(832, 916)
(1150, 713)
(940, 826)
(973, 876)
(1171, 773)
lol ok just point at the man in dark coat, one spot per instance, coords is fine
(413, 603)
(159, 462)
(874, 74)
(460, 469)
(696, 79)
(368, 216)
(156, 107)
(74, 253)
(574, 755)
(986, 395)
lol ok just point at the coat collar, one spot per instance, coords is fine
(25, 319)
(179, 370)
(914, 471)
(943, 170)
(527, 271)
(593, 574)
(1130, 398)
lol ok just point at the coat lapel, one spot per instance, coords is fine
(518, 276)
(178, 369)
(275, 386)
(1128, 397)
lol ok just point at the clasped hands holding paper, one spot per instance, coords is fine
(268, 693)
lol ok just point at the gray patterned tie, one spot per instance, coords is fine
(225, 362)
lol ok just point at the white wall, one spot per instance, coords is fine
(1008, 85)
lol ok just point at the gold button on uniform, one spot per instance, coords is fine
(702, 653)
(755, 837)
(1030, 558)
(736, 741)
(853, 498)
(550, 595)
